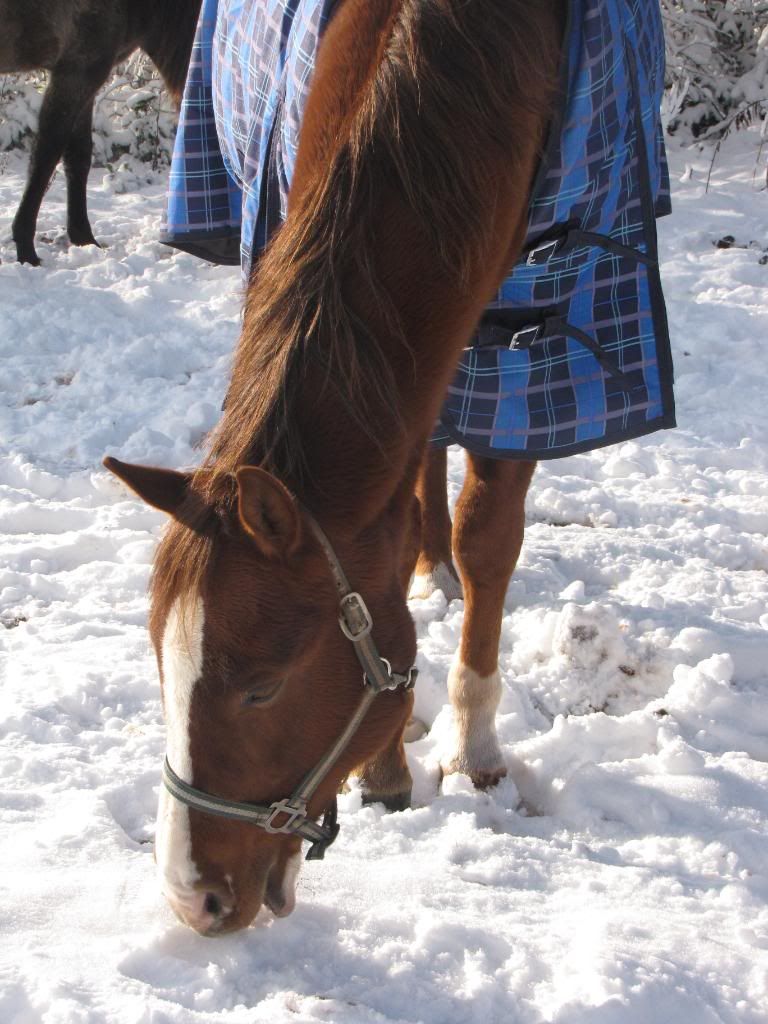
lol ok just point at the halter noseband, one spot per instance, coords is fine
(289, 816)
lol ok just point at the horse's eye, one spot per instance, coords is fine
(261, 696)
(254, 697)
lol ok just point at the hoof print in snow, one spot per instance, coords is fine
(583, 634)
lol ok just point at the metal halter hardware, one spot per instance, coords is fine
(356, 624)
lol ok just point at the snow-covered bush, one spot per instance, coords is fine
(717, 65)
(717, 79)
(20, 98)
(134, 118)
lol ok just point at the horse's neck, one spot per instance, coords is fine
(361, 458)
(434, 256)
(406, 196)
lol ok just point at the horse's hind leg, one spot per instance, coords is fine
(77, 165)
(434, 567)
(488, 534)
(70, 92)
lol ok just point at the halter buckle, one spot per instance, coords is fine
(295, 812)
(406, 680)
(354, 618)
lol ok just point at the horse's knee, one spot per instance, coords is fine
(490, 518)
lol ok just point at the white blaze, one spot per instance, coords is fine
(182, 663)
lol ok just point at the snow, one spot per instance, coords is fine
(619, 875)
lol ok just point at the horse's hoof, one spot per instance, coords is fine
(414, 730)
(488, 779)
(27, 255)
(481, 778)
(82, 238)
(441, 577)
(391, 801)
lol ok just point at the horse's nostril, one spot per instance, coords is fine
(212, 905)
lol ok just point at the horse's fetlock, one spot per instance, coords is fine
(392, 801)
(474, 749)
(428, 579)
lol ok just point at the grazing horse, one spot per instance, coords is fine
(278, 610)
(79, 42)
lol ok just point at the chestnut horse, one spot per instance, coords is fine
(79, 42)
(408, 205)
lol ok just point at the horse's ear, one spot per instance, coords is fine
(164, 488)
(268, 512)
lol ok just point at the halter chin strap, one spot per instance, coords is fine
(289, 816)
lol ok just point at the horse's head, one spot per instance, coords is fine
(258, 680)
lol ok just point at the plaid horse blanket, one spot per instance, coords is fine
(573, 352)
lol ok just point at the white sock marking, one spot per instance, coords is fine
(474, 699)
(424, 585)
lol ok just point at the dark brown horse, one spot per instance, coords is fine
(79, 42)
(408, 205)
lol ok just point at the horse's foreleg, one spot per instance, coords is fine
(386, 779)
(488, 534)
(69, 93)
(77, 166)
(434, 567)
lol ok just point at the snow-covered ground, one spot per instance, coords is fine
(618, 876)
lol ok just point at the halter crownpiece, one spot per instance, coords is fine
(289, 816)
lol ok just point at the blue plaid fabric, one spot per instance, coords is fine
(248, 82)
(573, 352)
(204, 199)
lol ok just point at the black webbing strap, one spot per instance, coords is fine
(497, 335)
(573, 238)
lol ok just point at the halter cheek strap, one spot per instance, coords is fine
(289, 816)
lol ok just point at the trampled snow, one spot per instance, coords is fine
(619, 875)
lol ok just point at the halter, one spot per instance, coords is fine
(289, 815)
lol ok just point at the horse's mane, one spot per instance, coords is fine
(444, 63)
